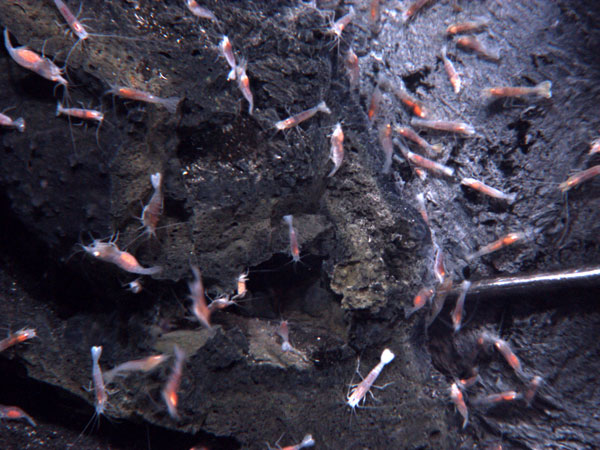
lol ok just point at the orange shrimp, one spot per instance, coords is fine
(30, 60)
(15, 413)
(153, 210)
(199, 307)
(504, 241)
(579, 178)
(422, 297)
(451, 71)
(410, 134)
(352, 68)
(459, 401)
(506, 396)
(244, 85)
(86, 114)
(444, 125)
(472, 43)
(71, 20)
(169, 392)
(109, 252)
(414, 105)
(296, 119)
(457, 312)
(488, 190)
(22, 335)
(413, 9)
(467, 27)
(543, 89)
(170, 103)
(199, 11)
(227, 52)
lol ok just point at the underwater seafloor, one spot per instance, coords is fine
(230, 177)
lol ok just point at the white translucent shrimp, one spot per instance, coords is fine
(358, 393)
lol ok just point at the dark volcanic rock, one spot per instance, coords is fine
(230, 177)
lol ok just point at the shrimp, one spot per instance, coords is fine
(504, 241)
(439, 300)
(444, 125)
(336, 153)
(227, 52)
(15, 413)
(472, 43)
(467, 27)
(135, 286)
(169, 103)
(244, 85)
(459, 401)
(376, 98)
(141, 365)
(579, 178)
(428, 164)
(457, 312)
(385, 139)
(71, 20)
(109, 252)
(199, 11)
(422, 297)
(30, 60)
(337, 27)
(294, 248)
(85, 114)
(284, 333)
(221, 303)
(512, 359)
(532, 388)
(100, 394)
(153, 210)
(18, 124)
(543, 90)
(422, 208)
(594, 147)
(22, 335)
(451, 71)
(199, 308)
(358, 393)
(374, 12)
(302, 116)
(413, 9)
(410, 134)
(414, 105)
(352, 68)
(308, 441)
(242, 289)
(439, 269)
(488, 190)
(169, 392)
(506, 396)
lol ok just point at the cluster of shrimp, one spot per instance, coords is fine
(531, 384)
(434, 292)
(47, 69)
(439, 285)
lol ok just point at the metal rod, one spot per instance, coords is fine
(574, 278)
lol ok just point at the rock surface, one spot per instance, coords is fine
(229, 178)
